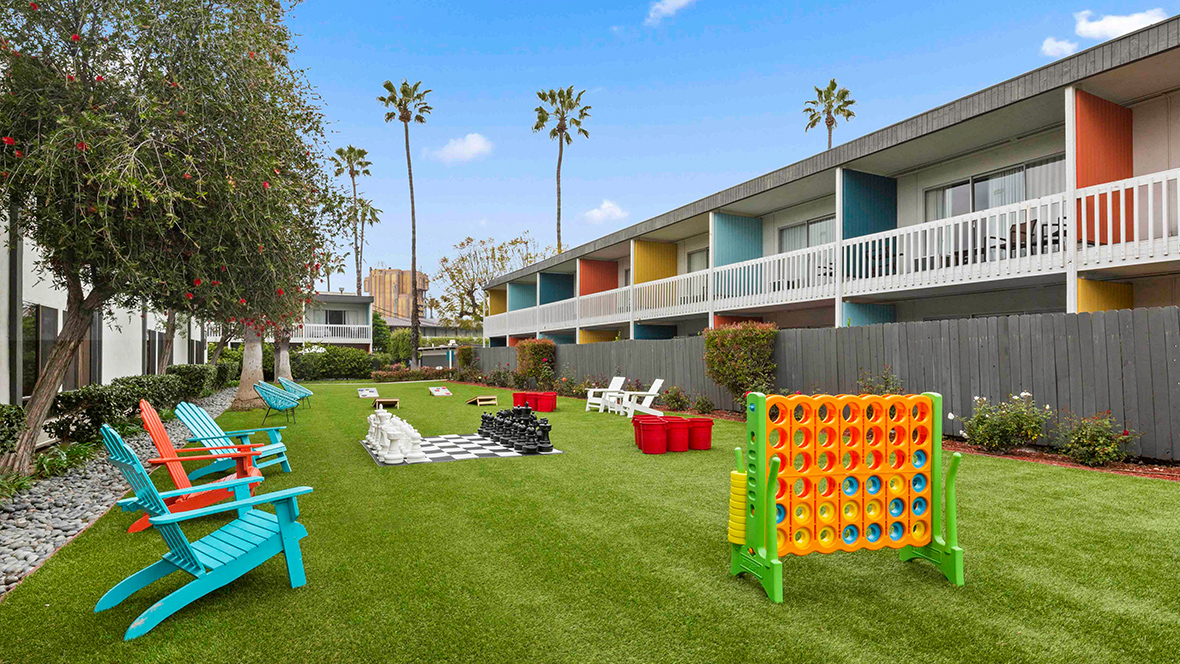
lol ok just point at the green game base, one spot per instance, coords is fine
(769, 573)
(948, 559)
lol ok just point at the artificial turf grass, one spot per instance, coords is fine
(604, 554)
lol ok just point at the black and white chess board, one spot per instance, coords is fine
(458, 447)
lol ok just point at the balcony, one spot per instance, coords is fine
(557, 315)
(340, 334)
(1129, 222)
(806, 274)
(612, 306)
(682, 295)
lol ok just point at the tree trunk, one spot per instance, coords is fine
(227, 333)
(169, 342)
(77, 323)
(560, 151)
(246, 397)
(283, 354)
(414, 321)
(358, 242)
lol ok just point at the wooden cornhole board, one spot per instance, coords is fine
(387, 402)
(483, 400)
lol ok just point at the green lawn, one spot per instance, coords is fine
(604, 554)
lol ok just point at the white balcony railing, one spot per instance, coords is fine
(558, 315)
(1013, 240)
(806, 274)
(1129, 221)
(495, 325)
(322, 332)
(681, 295)
(610, 306)
(522, 321)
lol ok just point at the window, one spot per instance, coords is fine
(1023, 182)
(334, 316)
(698, 260)
(810, 234)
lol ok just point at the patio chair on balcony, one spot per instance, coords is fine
(597, 397)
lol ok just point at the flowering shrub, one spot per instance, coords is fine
(1003, 426)
(1094, 440)
(465, 356)
(499, 377)
(675, 399)
(885, 382)
(740, 358)
(703, 405)
(535, 358)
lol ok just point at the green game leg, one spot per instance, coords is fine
(946, 554)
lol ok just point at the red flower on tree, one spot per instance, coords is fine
(33, 6)
(70, 78)
(223, 268)
(215, 283)
(8, 140)
(75, 37)
(241, 300)
(265, 184)
(81, 146)
(279, 291)
(189, 295)
(19, 154)
(196, 282)
(187, 176)
(99, 79)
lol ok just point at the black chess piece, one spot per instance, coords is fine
(530, 440)
(543, 442)
(519, 436)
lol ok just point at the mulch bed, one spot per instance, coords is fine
(1150, 468)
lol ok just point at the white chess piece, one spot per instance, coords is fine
(393, 454)
(415, 453)
(370, 440)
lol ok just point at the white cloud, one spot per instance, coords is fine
(467, 148)
(665, 8)
(1057, 48)
(608, 211)
(1113, 25)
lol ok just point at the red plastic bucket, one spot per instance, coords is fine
(700, 433)
(518, 398)
(635, 423)
(533, 399)
(677, 433)
(653, 436)
(546, 402)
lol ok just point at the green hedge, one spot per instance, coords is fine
(78, 414)
(227, 371)
(536, 358)
(740, 358)
(399, 346)
(466, 357)
(197, 380)
(12, 420)
(401, 375)
(330, 362)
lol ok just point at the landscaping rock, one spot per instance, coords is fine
(36, 522)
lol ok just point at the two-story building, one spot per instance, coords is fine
(1053, 191)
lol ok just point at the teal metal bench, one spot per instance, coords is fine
(296, 390)
(276, 400)
(207, 432)
(216, 559)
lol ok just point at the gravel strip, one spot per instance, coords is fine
(40, 520)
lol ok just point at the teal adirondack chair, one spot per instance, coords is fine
(216, 559)
(207, 432)
(276, 400)
(296, 390)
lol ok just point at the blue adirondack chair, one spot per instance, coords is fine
(276, 400)
(207, 432)
(296, 390)
(216, 559)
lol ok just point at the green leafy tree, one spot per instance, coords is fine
(566, 108)
(382, 337)
(829, 103)
(409, 105)
(354, 161)
(159, 153)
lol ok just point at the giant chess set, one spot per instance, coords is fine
(514, 432)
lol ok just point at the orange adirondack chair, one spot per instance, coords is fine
(172, 459)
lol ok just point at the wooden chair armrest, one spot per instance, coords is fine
(277, 496)
(212, 486)
(188, 450)
(231, 455)
(249, 431)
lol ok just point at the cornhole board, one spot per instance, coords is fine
(387, 402)
(439, 392)
(483, 400)
(366, 392)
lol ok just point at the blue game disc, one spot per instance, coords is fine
(919, 459)
(919, 483)
(873, 532)
(873, 485)
(896, 507)
(781, 513)
(850, 534)
(919, 506)
(850, 486)
(896, 531)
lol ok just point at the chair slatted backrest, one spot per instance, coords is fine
(616, 383)
(294, 388)
(202, 425)
(155, 429)
(274, 397)
(655, 389)
(149, 500)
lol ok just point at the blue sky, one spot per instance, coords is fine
(689, 97)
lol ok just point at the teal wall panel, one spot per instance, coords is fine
(498, 342)
(560, 338)
(643, 331)
(870, 204)
(521, 296)
(736, 239)
(555, 286)
(857, 314)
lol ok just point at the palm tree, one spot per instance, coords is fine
(354, 161)
(568, 109)
(409, 103)
(828, 103)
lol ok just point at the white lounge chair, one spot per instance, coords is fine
(596, 397)
(630, 403)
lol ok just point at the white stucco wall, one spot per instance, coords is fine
(797, 214)
(1156, 126)
(911, 188)
(355, 313)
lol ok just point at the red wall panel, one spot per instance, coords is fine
(1104, 154)
(597, 276)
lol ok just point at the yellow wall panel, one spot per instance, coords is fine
(654, 260)
(1104, 296)
(596, 336)
(497, 302)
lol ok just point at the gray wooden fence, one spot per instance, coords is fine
(1127, 362)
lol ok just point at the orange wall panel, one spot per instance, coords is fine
(721, 319)
(1105, 153)
(597, 276)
